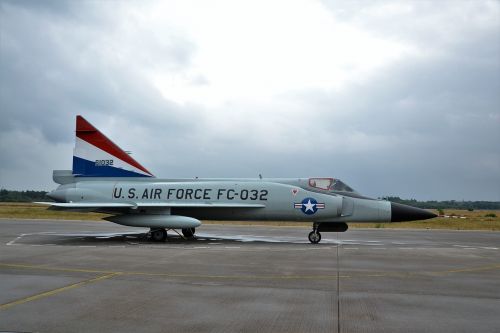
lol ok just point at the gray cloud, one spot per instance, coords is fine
(52, 71)
(422, 127)
(426, 126)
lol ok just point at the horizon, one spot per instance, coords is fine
(393, 98)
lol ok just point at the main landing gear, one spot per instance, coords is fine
(315, 236)
(160, 234)
(188, 232)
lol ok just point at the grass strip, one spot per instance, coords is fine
(456, 220)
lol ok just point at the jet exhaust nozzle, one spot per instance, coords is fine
(57, 195)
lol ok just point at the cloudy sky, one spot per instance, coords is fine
(393, 97)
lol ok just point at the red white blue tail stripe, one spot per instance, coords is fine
(97, 156)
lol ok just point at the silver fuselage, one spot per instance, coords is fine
(225, 199)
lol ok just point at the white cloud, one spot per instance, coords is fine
(384, 94)
(254, 50)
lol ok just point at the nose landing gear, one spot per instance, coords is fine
(315, 236)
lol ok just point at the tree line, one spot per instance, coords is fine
(23, 196)
(446, 204)
(29, 196)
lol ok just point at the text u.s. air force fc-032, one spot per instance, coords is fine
(156, 193)
(104, 178)
(307, 206)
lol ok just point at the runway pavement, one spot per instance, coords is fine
(80, 276)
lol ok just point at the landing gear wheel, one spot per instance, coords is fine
(188, 232)
(314, 237)
(158, 235)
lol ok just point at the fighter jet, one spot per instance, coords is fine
(106, 179)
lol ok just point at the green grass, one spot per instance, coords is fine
(475, 220)
(23, 210)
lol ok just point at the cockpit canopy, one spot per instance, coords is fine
(329, 184)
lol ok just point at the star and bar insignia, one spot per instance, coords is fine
(309, 206)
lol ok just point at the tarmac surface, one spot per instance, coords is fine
(80, 276)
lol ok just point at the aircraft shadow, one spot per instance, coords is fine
(133, 238)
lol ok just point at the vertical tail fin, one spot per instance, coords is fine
(97, 156)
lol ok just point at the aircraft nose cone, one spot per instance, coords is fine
(400, 212)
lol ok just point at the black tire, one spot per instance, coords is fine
(158, 235)
(188, 232)
(314, 237)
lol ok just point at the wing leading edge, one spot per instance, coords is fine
(147, 204)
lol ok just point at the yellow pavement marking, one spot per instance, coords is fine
(258, 277)
(473, 269)
(55, 291)
(174, 275)
(45, 267)
(110, 274)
